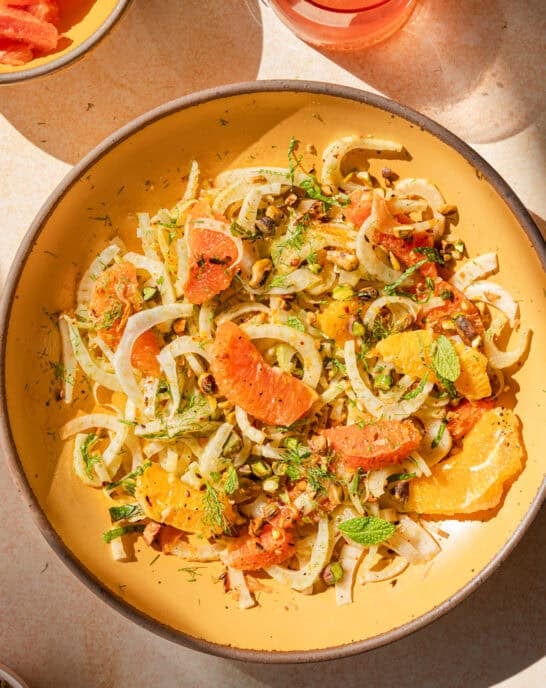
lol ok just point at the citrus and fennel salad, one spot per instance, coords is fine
(296, 368)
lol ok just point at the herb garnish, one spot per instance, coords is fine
(390, 289)
(125, 511)
(396, 477)
(436, 441)
(128, 482)
(432, 254)
(417, 390)
(367, 530)
(214, 513)
(296, 323)
(192, 573)
(110, 535)
(88, 459)
(231, 482)
(238, 230)
(445, 361)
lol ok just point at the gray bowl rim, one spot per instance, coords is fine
(72, 55)
(7, 444)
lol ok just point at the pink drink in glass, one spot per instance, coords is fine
(343, 24)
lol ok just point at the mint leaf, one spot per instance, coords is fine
(118, 513)
(367, 530)
(232, 481)
(445, 361)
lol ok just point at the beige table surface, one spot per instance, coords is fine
(475, 66)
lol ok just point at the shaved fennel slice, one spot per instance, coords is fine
(333, 155)
(239, 190)
(413, 542)
(88, 365)
(375, 307)
(249, 209)
(242, 309)
(349, 557)
(193, 180)
(473, 269)
(248, 430)
(494, 295)
(137, 324)
(271, 175)
(336, 388)
(205, 320)
(397, 410)
(427, 190)
(306, 576)
(431, 448)
(211, 458)
(98, 265)
(295, 281)
(182, 269)
(158, 273)
(146, 234)
(370, 265)
(98, 471)
(68, 359)
(111, 456)
(237, 582)
(301, 342)
(167, 360)
(394, 568)
(505, 359)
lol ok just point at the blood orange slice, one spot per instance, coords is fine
(381, 443)
(242, 375)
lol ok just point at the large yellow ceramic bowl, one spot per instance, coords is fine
(83, 23)
(140, 169)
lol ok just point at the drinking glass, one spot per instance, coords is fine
(343, 24)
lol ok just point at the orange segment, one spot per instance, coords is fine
(473, 382)
(472, 480)
(336, 319)
(381, 443)
(166, 499)
(145, 352)
(243, 377)
(409, 352)
(464, 417)
(212, 255)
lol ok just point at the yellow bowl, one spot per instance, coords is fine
(83, 24)
(140, 169)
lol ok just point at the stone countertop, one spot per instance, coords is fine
(476, 67)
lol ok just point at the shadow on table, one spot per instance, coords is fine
(162, 49)
(475, 66)
(491, 636)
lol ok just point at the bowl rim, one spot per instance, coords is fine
(72, 55)
(7, 444)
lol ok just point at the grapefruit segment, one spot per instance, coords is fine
(244, 378)
(212, 255)
(472, 480)
(18, 25)
(462, 419)
(380, 443)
